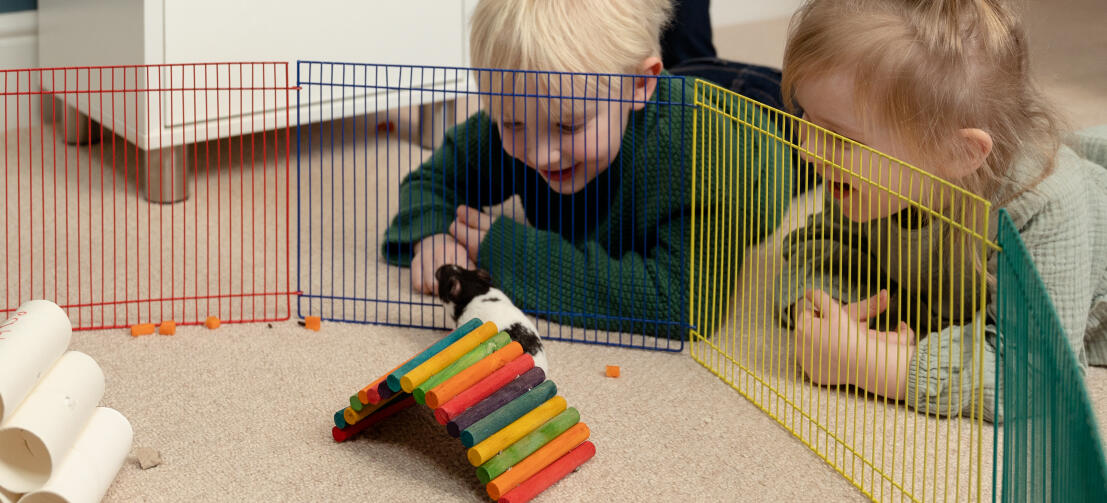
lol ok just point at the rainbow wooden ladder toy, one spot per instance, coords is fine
(520, 434)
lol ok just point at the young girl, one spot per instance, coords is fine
(884, 294)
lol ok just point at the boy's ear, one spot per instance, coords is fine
(644, 87)
(977, 145)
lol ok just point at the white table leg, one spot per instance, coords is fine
(166, 173)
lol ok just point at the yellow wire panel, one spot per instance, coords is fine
(875, 223)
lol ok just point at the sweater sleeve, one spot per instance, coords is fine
(543, 272)
(1058, 239)
(647, 290)
(459, 172)
(943, 375)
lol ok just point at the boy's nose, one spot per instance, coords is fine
(543, 153)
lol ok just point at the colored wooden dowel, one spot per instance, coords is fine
(463, 362)
(448, 355)
(384, 391)
(355, 416)
(355, 403)
(483, 451)
(549, 475)
(481, 390)
(501, 397)
(541, 458)
(390, 408)
(527, 445)
(340, 419)
(371, 393)
(393, 378)
(517, 408)
(473, 374)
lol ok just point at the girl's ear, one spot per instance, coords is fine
(644, 86)
(977, 144)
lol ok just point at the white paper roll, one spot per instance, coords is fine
(88, 470)
(43, 429)
(31, 340)
(7, 497)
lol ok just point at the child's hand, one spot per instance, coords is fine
(469, 229)
(430, 254)
(834, 342)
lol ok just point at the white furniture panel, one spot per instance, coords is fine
(147, 32)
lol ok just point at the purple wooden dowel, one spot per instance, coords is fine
(505, 395)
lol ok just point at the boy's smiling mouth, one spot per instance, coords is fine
(559, 176)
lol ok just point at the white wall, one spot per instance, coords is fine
(729, 12)
(18, 49)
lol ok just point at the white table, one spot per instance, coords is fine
(153, 32)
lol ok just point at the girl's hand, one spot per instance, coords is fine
(431, 253)
(470, 228)
(836, 346)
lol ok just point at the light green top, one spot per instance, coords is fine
(1063, 223)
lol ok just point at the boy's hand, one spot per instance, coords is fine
(469, 229)
(430, 254)
(834, 342)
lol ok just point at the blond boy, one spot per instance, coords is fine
(582, 123)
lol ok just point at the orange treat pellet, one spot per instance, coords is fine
(313, 323)
(212, 322)
(168, 327)
(612, 371)
(142, 329)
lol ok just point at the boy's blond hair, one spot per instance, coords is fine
(577, 36)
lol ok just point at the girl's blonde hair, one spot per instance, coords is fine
(575, 36)
(925, 69)
(928, 68)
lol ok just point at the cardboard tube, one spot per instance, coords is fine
(31, 340)
(7, 497)
(43, 429)
(86, 473)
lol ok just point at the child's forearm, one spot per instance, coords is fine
(887, 365)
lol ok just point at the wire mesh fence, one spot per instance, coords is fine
(575, 183)
(1052, 450)
(873, 281)
(93, 156)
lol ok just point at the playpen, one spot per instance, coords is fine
(256, 192)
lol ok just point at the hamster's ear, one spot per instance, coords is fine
(484, 276)
(449, 286)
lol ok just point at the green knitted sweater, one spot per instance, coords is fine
(615, 255)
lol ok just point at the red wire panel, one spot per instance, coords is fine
(140, 194)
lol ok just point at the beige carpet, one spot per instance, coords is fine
(243, 413)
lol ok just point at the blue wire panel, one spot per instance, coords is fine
(578, 184)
